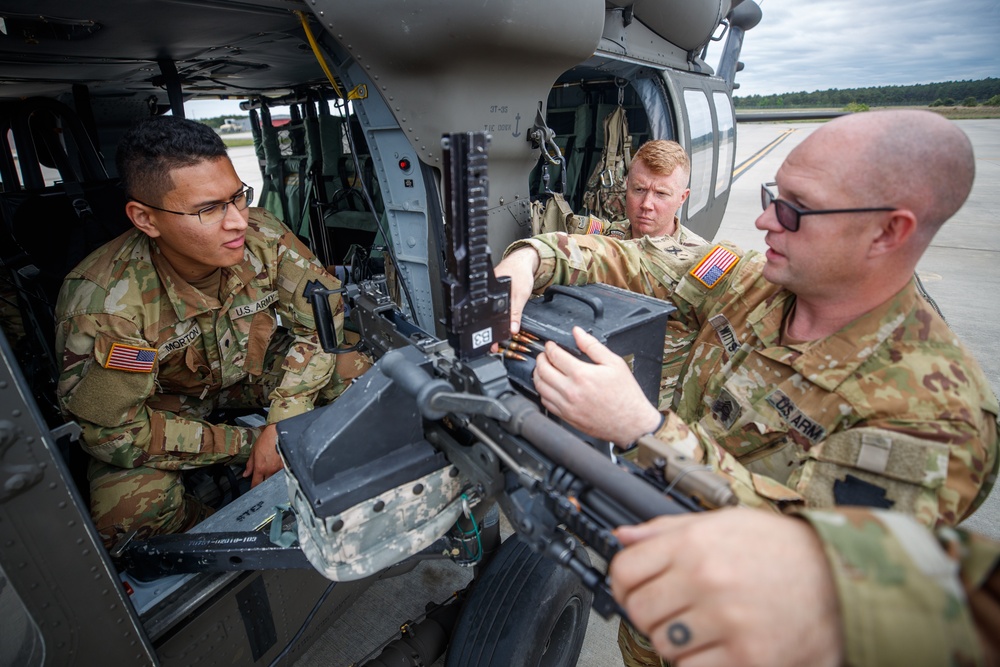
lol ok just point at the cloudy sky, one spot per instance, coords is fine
(815, 45)
(807, 45)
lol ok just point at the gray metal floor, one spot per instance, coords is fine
(961, 270)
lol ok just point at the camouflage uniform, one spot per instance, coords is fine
(679, 337)
(890, 411)
(144, 417)
(906, 598)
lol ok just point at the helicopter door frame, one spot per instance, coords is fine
(63, 588)
(409, 190)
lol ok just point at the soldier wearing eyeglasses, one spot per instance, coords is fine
(197, 309)
(819, 376)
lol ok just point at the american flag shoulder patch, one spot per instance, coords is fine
(131, 358)
(714, 266)
(596, 225)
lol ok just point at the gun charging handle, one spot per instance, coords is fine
(319, 298)
(684, 474)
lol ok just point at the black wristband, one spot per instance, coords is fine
(663, 419)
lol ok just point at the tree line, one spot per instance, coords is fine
(946, 93)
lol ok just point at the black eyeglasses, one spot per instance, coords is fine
(789, 214)
(213, 214)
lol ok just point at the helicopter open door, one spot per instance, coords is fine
(412, 71)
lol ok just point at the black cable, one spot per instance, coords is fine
(432, 607)
(226, 84)
(298, 635)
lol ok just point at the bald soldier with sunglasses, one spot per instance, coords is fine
(818, 377)
(818, 371)
(199, 308)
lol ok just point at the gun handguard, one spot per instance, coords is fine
(554, 441)
(588, 464)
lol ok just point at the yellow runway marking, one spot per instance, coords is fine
(756, 157)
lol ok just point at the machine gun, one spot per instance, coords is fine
(406, 460)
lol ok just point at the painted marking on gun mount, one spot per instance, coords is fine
(759, 155)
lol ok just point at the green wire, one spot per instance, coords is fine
(475, 531)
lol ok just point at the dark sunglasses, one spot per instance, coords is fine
(789, 214)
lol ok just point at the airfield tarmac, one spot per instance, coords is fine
(960, 270)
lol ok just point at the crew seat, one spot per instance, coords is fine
(58, 204)
(576, 113)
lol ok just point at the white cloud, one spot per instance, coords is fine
(807, 46)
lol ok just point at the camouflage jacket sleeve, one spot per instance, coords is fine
(307, 368)
(576, 259)
(909, 596)
(112, 406)
(648, 266)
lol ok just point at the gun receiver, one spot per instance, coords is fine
(477, 311)
(445, 432)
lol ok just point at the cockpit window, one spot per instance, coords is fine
(702, 148)
(727, 140)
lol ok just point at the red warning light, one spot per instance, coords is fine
(404, 164)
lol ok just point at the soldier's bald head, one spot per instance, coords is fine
(909, 159)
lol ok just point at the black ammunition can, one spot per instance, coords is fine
(629, 324)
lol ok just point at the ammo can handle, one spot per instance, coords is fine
(594, 302)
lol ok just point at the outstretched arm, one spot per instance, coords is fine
(520, 267)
